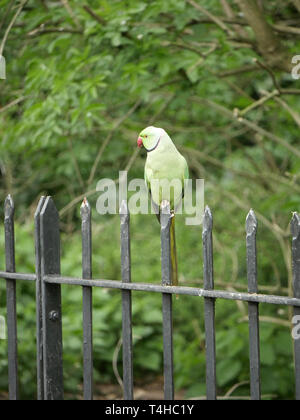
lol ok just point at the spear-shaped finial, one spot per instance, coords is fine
(165, 214)
(207, 220)
(2, 67)
(295, 225)
(123, 210)
(9, 207)
(85, 209)
(251, 223)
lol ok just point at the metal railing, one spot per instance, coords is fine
(48, 282)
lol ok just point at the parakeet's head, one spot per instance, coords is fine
(149, 138)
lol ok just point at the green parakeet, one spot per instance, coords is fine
(165, 172)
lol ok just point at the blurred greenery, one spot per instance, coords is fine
(83, 79)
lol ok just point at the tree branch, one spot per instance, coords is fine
(42, 30)
(244, 69)
(212, 17)
(13, 103)
(230, 14)
(286, 29)
(252, 126)
(270, 71)
(268, 44)
(71, 13)
(259, 102)
(94, 15)
(8, 9)
(107, 140)
(260, 178)
(294, 114)
(11, 25)
(75, 162)
(296, 4)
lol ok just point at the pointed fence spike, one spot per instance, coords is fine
(209, 305)
(85, 210)
(85, 203)
(87, 300)
(295, 231)
(2, 67)
(295, 225)
(165, 216)
(39, 206)
(207, 220)
(11, 311)
(51, 302)
(253, 309)
(126, 302)
(49, 207)
(251, 228)
(124, 211)
(9, 207)
(166, 276)
(39, 305)
(251, 222)
(165, 207)
(123, 207)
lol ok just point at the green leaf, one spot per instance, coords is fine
(227, 370)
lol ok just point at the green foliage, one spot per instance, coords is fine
(87, 82)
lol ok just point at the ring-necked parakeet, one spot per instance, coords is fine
(164, 165)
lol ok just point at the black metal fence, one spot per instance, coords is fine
(48, 282)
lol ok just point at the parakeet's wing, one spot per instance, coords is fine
(185, 176)
(148, 176)
(181, 172)
(186, 171)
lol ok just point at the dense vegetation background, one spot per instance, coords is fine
(83, 79)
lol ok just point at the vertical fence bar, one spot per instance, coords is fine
(87, 301)
(165, 220)
(295, 230)
(209, 306)
(12, 343)
(38, 290)
(51, 301)
(253, 308)
(126, 303)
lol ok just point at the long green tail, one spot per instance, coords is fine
(174, 267)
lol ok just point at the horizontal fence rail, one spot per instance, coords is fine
(48, 280)
(175, 290)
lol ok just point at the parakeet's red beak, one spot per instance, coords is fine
(140, 142)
